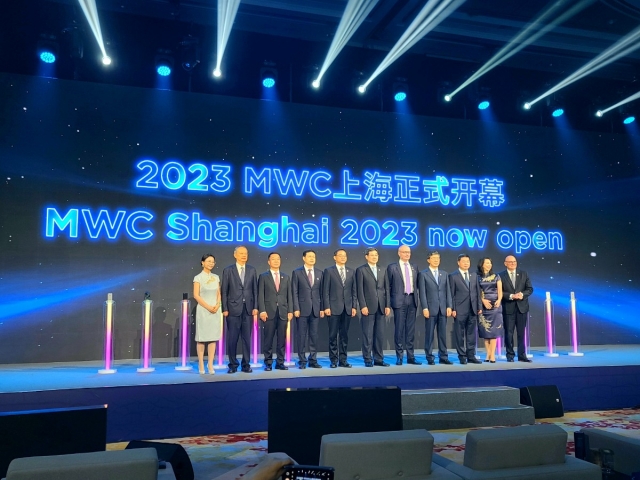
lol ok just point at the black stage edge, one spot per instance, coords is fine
(223, 406)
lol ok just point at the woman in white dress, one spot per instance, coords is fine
(206, 291)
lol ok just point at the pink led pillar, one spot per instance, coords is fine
(108, 316)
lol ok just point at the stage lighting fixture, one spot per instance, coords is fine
(400, 90)
(164, 63)
(106, 60)
(48, 49)
(555, 105)
(558, 112)
(269, 75)
(447, 98)
(315, 84)
(189, 49)
(217, 72)
(227, 10)
(599, 113)
(362, 88)
(483, 105)
(629, 119)
(527, 106)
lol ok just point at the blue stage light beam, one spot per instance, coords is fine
(91, 13)
(483, 105)
(227, 10)
(630, 98)
(558, 112)
(431, 15)
(526, 37)
(47, 56)
(622, 48)
(354, 14)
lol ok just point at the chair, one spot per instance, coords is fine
(381, 456)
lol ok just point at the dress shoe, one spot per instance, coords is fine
(282, 367)
(334, 365)
(302, 366)
(368, 364)
(231, 370)
(432, 362)
(524, 359)
(492, 361)
(381, 364)
(247, 370)
(510, 360)
(315, 365)
(487, 360)
(345, 365)
(463, 361)
(445, 361)
(267, 368)
(399, 362)
(474, 360)
(413, 361)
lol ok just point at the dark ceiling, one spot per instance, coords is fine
(295, 36)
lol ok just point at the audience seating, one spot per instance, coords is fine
(626, 450)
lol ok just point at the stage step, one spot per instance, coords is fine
(455, 408)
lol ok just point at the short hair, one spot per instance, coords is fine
(339, 250)
(273, 253)
(304, 254)
(480, 263)
(463, 255)
(207, 255)
(369, 250)
(432, 253)
(240, 246)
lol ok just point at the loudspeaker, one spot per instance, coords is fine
(173, 453)
(298, 418)
(545, 400)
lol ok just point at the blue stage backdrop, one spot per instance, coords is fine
(117, 189)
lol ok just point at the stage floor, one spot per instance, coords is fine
(57, 376)
(170, 404)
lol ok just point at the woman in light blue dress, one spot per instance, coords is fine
(206, 291)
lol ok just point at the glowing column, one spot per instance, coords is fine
(288, 344)
(549, 327)
(221, 343)
(109, 312)
(499, 353)
(527, 337)
(145, 342)
(575, 329)
(255, 343)
(183, 347)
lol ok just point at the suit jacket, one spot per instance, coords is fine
(523, 284)
(435, 296)
(372, 293)
(336, 296)
(269, 299)
(233, 292)
(465, 299)
(395, 275)
(307, 298)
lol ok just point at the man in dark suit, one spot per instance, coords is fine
(339, 302)
(239, 296)
(435, 298)
(516, 289)
(372, 286)
(465, 295)
(306, 287)
(403, 281)
(275, 302)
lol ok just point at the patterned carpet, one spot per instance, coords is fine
(229, 456)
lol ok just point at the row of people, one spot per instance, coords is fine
(474, 300)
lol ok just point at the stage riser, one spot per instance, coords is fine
(453, 420)
(170, 411)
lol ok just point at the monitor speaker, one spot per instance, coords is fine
(173, 453)
(545, 400)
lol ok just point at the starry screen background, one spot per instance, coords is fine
(75, 145)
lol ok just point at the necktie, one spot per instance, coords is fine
(310, 277)
(276, 278)
(466, 278)
(242, 275)
(342, 275)
(407, 279)
(435, 275)
(513, 278)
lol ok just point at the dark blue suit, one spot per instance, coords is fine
(239, 300)
(404, 307)
(515, 311)
(340, 299)
(373, 294)
(278, 304)
(307, 299)
(435, 297)
(466, 303)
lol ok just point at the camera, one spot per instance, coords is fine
(307, 472)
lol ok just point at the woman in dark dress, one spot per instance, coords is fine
(490, 317)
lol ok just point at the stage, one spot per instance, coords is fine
(169, 403)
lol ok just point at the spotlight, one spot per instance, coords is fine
(629, 119)
(48, 49)
(599, 113)
(362, 88)
(555, 105)
(399, 89)
(269, 75)
(558, 112)
(106, 60)
(189, 49)
(483, 105)
(527, 106)
(315, 84)
(447, 98)
(217, 73)
(164, 63)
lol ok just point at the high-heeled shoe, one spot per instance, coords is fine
(211, 371)
(201, 372)
(492, 361)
